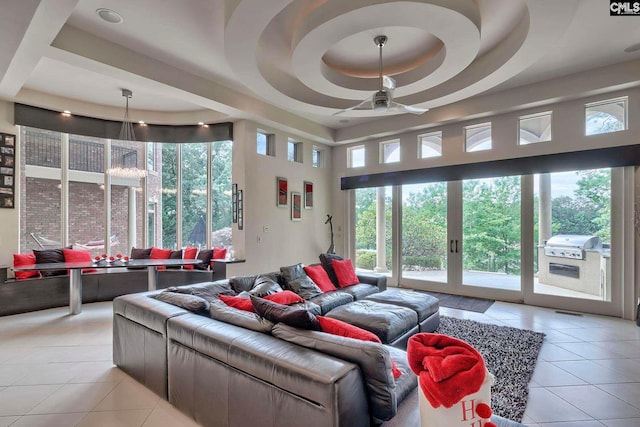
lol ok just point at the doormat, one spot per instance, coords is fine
(478, 305)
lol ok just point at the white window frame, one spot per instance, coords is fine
(609, 102)
(383, 149)
(270, 142)
(469, 148)
(437, 134)
(350, 151)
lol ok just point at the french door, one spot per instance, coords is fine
(487, 238)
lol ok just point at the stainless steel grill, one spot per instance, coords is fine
(571, 245)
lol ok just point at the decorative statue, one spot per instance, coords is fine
(331, 249)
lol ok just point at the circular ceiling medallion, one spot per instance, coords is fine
(109, 16)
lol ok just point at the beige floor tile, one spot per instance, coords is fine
(570, 424)
(590, 351)
(545, 407)
(128, 395)
(19, 400)
(629, 422)
(594, 373)
(74, 398)
(49, 420)
(552, 353)
(7, 421)
(129, 418)
(46, 373)
(630, 392)
(595, 402)
(97, 372)
(547, 374)
(166, 415)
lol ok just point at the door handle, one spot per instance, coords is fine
(451, 245)
(456, 246)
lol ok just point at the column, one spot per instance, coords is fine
(381, 232)
(544, 214)
(131, 218)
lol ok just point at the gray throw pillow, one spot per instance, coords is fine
(244, 319)
(305, 287)
(265, 285)
(325, 260)
(292, 316)
(242, 283)
(208, 291)
(192, 303)
(292, 272)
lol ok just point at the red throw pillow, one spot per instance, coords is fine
(189, 253)
(319, 275)
(157, 253)
(345, 272)
(25, 259)
(343, 329)
(284, 298)
(219, 253)
(74, 255)
(237, 302)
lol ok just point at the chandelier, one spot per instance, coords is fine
(127, 134)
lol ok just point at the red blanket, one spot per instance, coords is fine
(448, 369)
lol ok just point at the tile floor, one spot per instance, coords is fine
(56, 370)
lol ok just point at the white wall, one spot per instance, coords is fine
(287, 242)
(9, 219)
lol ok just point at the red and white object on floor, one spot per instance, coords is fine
(454, 384)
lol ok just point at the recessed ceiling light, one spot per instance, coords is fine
(633, 48)
(109, 16)
(141, 123)
(66, 113)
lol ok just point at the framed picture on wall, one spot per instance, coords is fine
(308, 195)
(283, 191)
(296, 206)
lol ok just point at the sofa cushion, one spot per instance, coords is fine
(140, 253)
(240, 303)
(242, 283)
(25, 259)
(292, 272)
(208, 290)
(291, 316)
(304, 287)
(189, 253)
(360, 290)
(189, 302)
(175, 255)
(345, 272)
(219, 253)
(320, 277)
(264, 285)
(220, 311)
(325, 260)
(47, 256)
(330, 300)
(74, 255)
(372, 358)
(407, 381)
(205, 256)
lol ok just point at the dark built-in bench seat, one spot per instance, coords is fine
(24, 295)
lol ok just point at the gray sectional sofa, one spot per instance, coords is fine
(229, 368)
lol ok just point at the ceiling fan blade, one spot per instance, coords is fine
(388, 83)
(401, 108)
(364, 105)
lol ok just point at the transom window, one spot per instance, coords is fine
(606, 116)
(430, 145)
(390, 151)
(477, 137)
(317, 157)
(265, 144)
(355, 156)
(535, 128)
(294, 151)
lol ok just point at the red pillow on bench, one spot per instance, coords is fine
(25, 259)
(74, 255)
(157, 253)
(189, 253)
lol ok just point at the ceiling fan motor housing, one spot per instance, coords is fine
(380, 101)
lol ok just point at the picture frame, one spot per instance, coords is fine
(296, 206)
(240, 211)
(308, 195)
(282, 192)
(234, 203)
(7, 170)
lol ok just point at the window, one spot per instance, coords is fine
(265, 144)
(317, 157)
(477, 137)
(430, 145)
(355, 156)
(535, 128)
(294, 151)
(175, 208)
(606, 116)
(390, 151)
(151, 156)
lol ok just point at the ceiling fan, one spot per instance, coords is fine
(382, 101)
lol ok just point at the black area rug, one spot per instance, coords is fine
(510, 354)
(478, 305)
